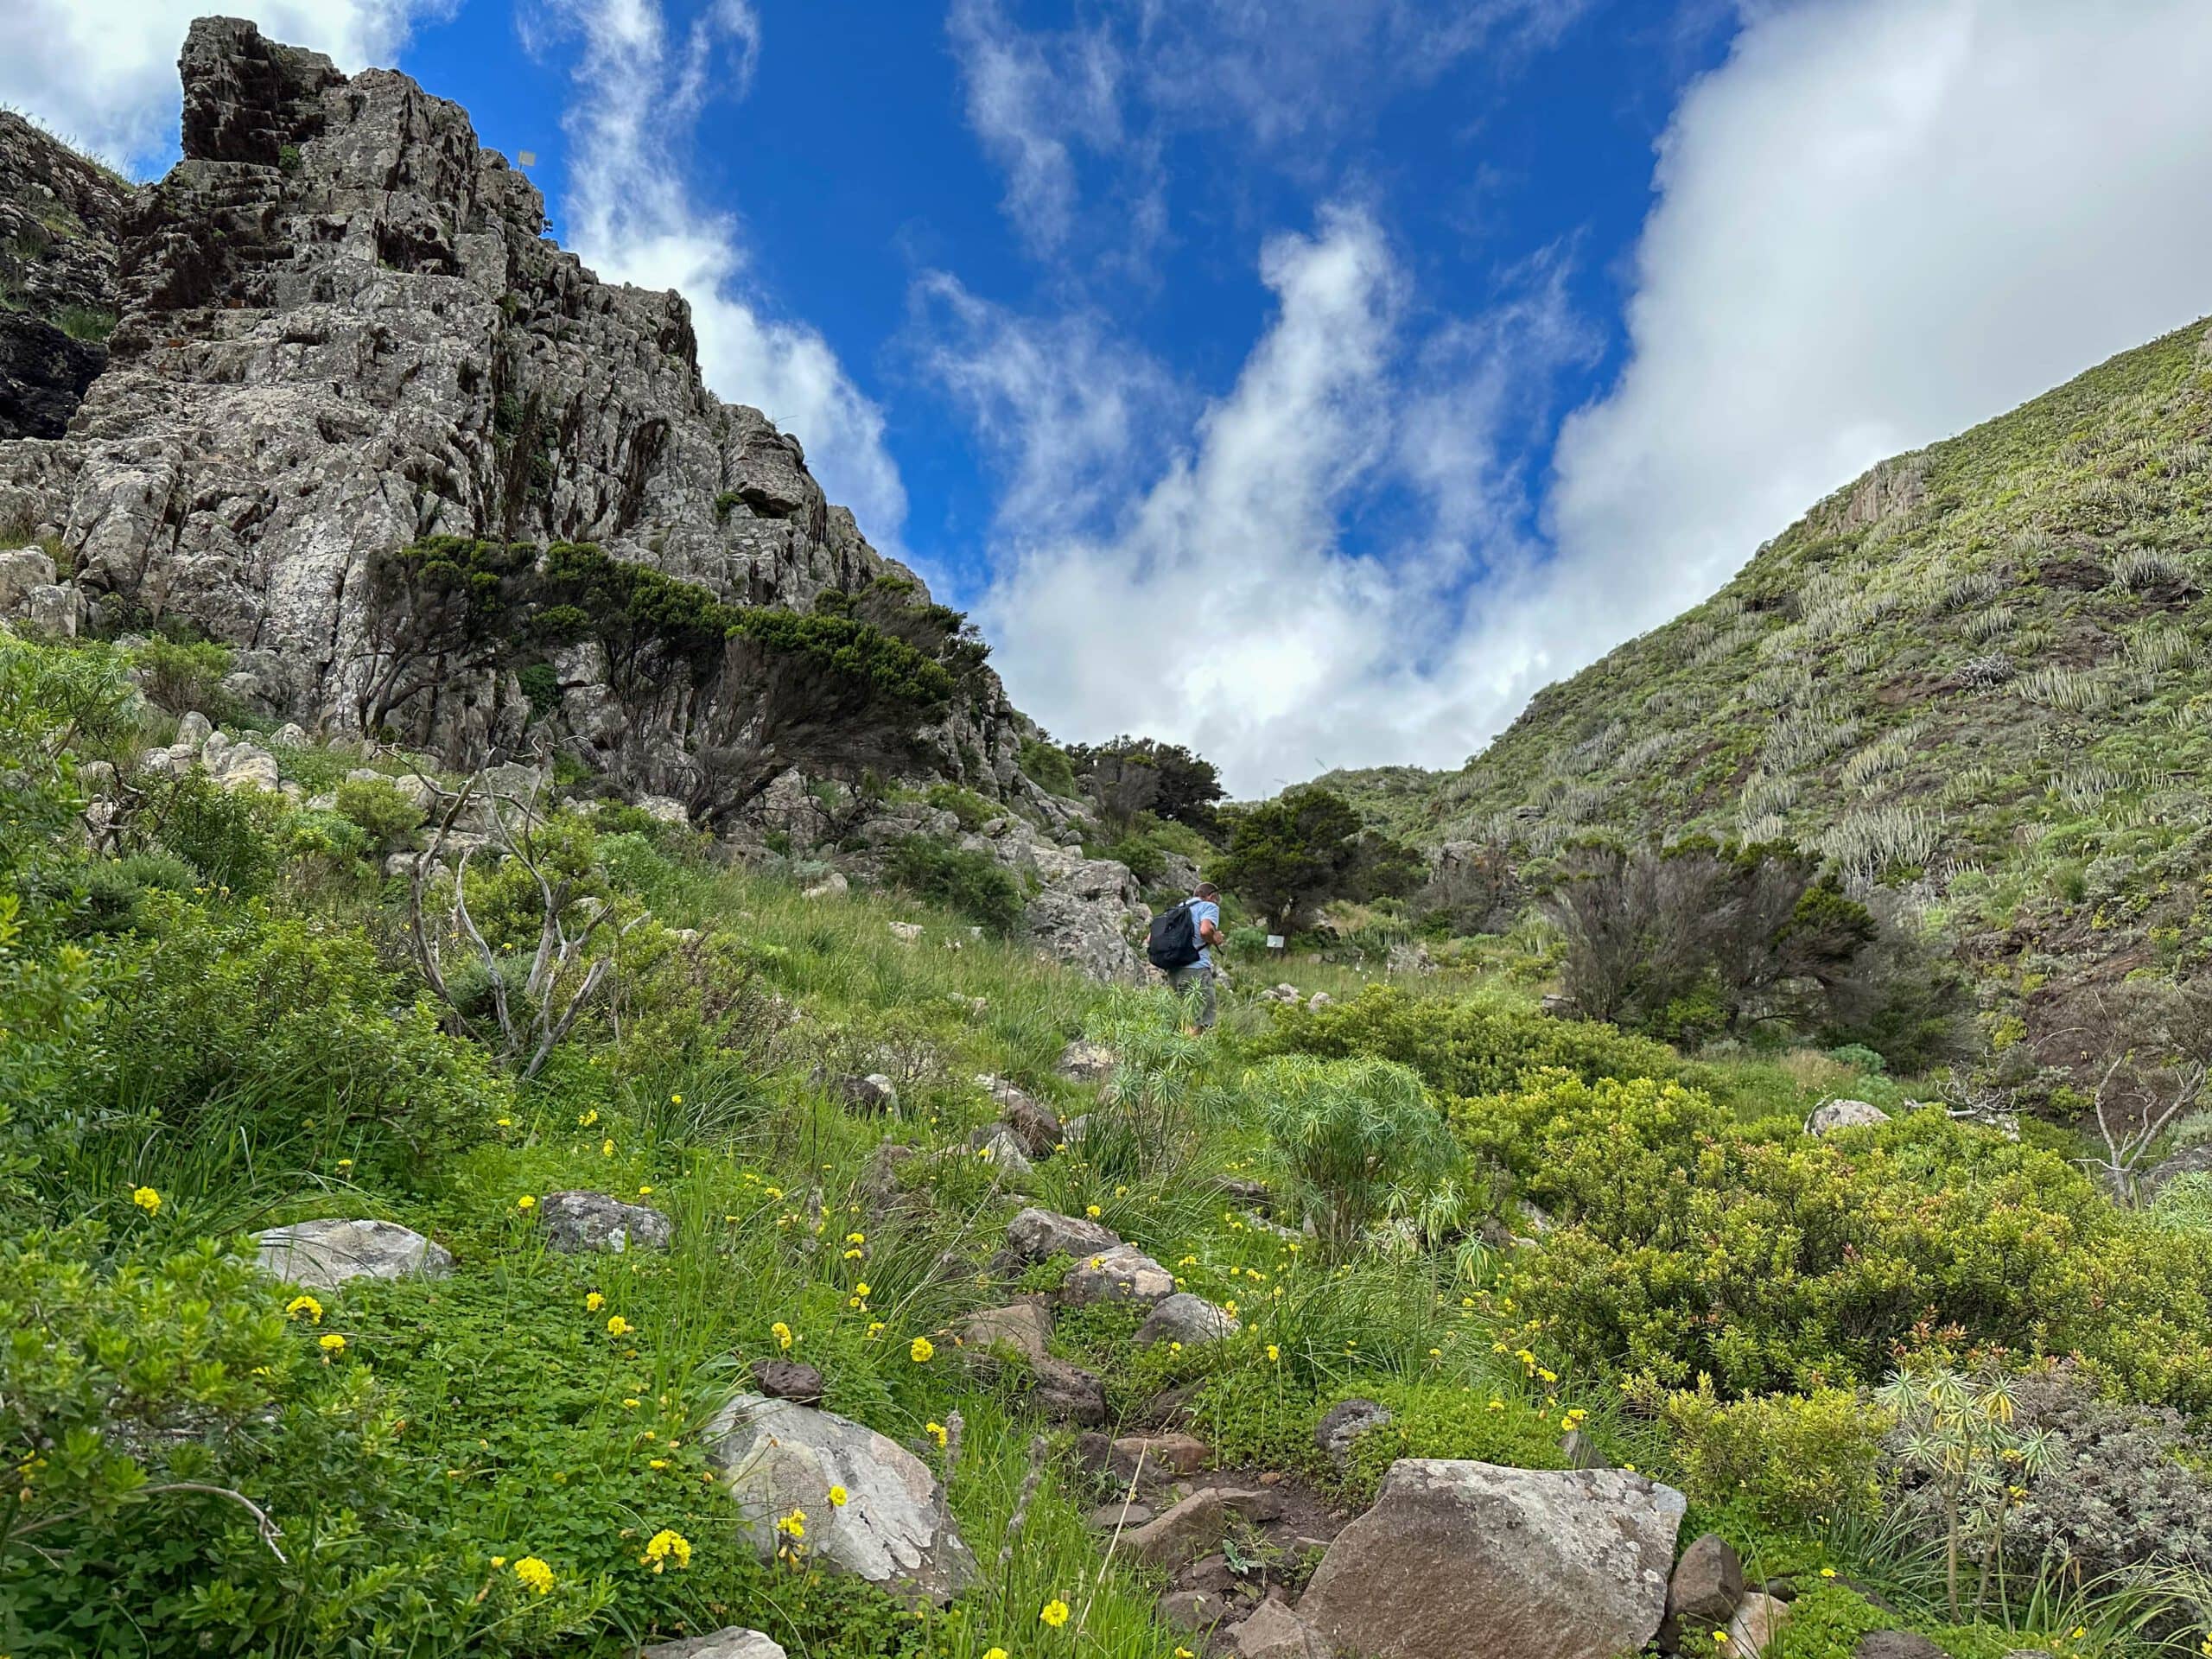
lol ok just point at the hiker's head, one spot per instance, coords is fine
(1205, 890)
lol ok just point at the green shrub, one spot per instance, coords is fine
(387, 814)
(1464, 1048)
(296, 1025)
(1768, 1259)
(222, 832)
(1798, 1460)
(114, 887)
(184, 675)
(1046, 764)
(974, 884)
(1352, 1134)
(972, 810)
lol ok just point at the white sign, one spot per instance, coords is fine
(1274, 941)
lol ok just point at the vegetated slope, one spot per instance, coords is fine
(1979, 670)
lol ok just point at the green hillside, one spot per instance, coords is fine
(1978, 673)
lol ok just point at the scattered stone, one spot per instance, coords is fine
(1345, 1422)
(1706, 1589)
(324, 1254)
(290, 735)
(1122, 1273)
(1035, 1124)
(1241, 1189)
(1026, 1327)
(1000, 1147)
(733, 1641)
(1275, 1632)
(893, 1527)
(1844, 1115)
(193, 730)
(665, 809)
(1068, 1394)
(1896, 1644)
(788, 1379)
(834, 886)
(1035, 1235)
(1460, 1557)
(1181, 1534)
(1193, 1610)
(1287, 994)
(1108, 1517)
(239, 766)
(910, 932)
(869, 1096)
(1156, 1454)
(1186, 1318)
(1753, 1629)
(578, 1221)
(1087, 1062)
(881, 1182)
(1318, 1002)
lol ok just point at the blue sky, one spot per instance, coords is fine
(1311, 380)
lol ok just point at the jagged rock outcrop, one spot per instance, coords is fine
(60, 215)
(343, 329)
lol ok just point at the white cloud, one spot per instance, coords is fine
(630, 217)
(104, 74)
(1222, 609)
(1879, 222)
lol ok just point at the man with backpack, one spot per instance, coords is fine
(1181, 945)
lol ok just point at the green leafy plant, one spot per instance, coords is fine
(1956, 1434)
(1352, 1134)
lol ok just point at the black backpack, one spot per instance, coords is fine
(1173, 941)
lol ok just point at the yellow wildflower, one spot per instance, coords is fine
(920, 1350)
(526, 1202)
(1275, 1355)
(618, 1326)
(304, 1307)
(861, 1289)
(782, 1333)
(332, 1344)
(1054, 1612)
(593, 1301)
(856, 1238)
(147, 1200)
(630, 1404)
(837, 1496)
(793, 1525)
(588, 1119)
(606, 1147)
(665, 1547)
(935, 1431)
(534, 1573)
(1092, 1211)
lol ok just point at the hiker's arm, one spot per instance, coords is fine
(1208, 932)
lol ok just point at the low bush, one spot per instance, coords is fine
(1797, 1461)
(386, 814)
(1461, 1047)
(975, 884)
(223, 834)
(185, 677)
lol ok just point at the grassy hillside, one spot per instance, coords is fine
(1978, 672)
(223, 1022)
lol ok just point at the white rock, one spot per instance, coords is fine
(734, 1642)
(833, 886)
(1036, 1235)
(193, 730)
(907, 932)
(1186, 1318)
(576, 1221)
(1122, 1274)
(893, 1529)
(290, 735)
(1844, 1115)
(324, 1254)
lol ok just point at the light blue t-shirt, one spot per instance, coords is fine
(1203, 911)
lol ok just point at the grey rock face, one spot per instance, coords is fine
(59, 219)
(324, 1254)
(2190, 1161)
(1186, 1318)
(893, 1529)
(1035, 1235)
(577, 1220)
(733, 1641)
(1460, 1557)
(1844, 1115)
(1087, 1062)
(341, 329)
(1275, 1632)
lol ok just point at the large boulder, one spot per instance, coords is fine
(1035, 1235)
(1461, 1557)
(1122, 1274)
(893, 1529)
(733, 1641)
(1844, 1115)
(1187, 1319)
(324, 1254)
(577, 1220)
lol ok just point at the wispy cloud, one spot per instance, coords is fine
(104, 75)
(640, 88)
(1219, 603)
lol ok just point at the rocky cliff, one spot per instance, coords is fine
(60, 215)
(342, 330)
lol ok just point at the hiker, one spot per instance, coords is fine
(1181, 945)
